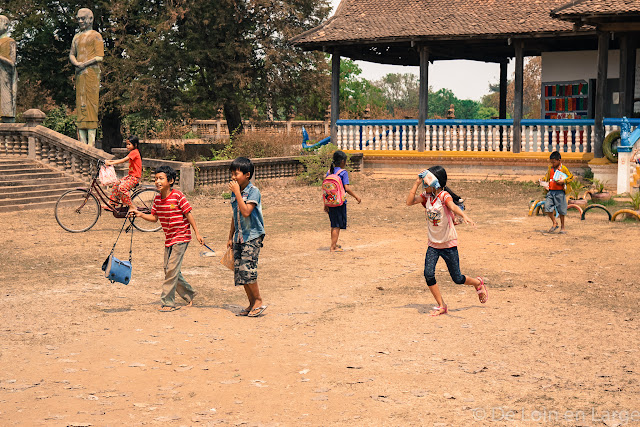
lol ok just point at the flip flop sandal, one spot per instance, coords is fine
(482, 290)
(257, 311)
(168, 308)
(436, 311)
(244, 312)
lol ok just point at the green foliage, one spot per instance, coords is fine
(598, 184)
(356, 93)
(225, 153)
(226, 195)
(587, 174)
(575, 188)
(317, 163)
(400, 91)
(168, 59)
(486, 113)
(62, 122)
(635, 200)
(608, 202)
(190, 135)
(148, 175)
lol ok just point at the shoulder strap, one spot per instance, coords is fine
(129, 229)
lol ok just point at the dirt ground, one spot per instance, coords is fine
(346, 339)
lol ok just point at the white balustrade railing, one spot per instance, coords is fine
(537, 136)
(54, 149)
(217, 129)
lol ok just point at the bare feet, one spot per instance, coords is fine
(481, 290)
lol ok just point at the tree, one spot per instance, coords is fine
(357, 93)
(174, 58)
(133, 78)
(400, 91)
(531, 83)
(235, 54)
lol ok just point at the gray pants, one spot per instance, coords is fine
(173, 279)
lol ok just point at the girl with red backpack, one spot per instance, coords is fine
(443, 238)
(334, 187)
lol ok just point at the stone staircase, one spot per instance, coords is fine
(28, 184)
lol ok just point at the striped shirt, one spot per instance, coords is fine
(172, 213)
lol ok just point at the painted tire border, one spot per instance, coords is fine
(595, 206)
(626, 211)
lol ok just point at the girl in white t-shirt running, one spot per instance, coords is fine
(443, 239)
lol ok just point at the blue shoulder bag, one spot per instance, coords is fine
(115, 269)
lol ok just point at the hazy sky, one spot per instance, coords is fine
(467, 79)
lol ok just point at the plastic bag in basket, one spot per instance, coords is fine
(107, 175)
(227, 259)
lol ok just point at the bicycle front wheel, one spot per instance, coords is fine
(77, 210)
(143, 201)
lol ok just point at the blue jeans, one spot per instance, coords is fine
(450, 256)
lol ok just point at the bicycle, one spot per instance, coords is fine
(78, 210)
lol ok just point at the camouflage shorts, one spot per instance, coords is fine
(245, 260)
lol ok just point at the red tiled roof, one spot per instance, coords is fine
(359, 20)
(597, 7)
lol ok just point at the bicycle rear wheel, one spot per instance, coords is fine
(77, 210)
(143, 201)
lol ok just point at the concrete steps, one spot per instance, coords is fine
(26, 184)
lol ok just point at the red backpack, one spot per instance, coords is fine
(332, 190)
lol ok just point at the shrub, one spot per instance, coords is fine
(575, 187)
(598, 184)
(635, 200)
(588, 174)
(317, 163)
(225, 153)
(262, 144)
(258, 145)
(61, 121)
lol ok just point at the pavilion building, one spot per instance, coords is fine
(590, 65)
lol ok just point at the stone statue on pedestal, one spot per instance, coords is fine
(87, 51)
(8, 75)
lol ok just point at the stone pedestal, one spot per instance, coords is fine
(606, 172)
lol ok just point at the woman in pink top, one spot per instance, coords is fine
(443, 239)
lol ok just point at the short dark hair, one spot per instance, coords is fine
(440, 173)
(169, 172)
(555, 156)
(243, 165)
(134, 140)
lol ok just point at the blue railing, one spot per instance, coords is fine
(568, 135)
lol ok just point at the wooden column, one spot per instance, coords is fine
(502, 113)
(502, 106)
(601, 90)
(423, 96)
(335, 95)
(518, 95)
(628, 46)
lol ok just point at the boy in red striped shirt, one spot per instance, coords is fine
(174, 212)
